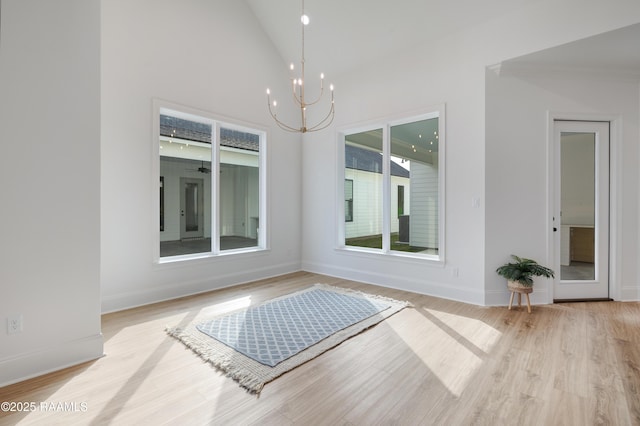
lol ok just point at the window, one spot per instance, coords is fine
(348, 200)
(363, 166)
(395, 177)
(211, 186)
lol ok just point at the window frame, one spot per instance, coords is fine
(386, 124)
(217, 122)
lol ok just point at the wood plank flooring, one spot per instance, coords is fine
(438, 363)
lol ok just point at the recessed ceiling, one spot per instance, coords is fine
(616, 52)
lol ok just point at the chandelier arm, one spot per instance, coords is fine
(322, 125)
(288, 128)
(280, 123)
(284, 126)
(316, 128)
(319, 97)
(298, 100)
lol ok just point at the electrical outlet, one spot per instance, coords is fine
(14, 324)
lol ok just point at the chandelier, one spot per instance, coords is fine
(297, 87)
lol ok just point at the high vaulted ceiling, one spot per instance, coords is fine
(344, 34)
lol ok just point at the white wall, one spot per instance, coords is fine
(50, 169)
(452, 72)
(517, 108)
(211, 56)
(410, 83)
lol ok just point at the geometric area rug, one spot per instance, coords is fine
(257, 344)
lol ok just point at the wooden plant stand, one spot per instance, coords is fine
(514, 288)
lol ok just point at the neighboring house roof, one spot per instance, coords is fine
(200, 132)
(369, 161)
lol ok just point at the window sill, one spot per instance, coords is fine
(429, 259)
(195, 257)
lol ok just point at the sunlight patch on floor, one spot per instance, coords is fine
(453, 347)
(228, 306)
(476, 332)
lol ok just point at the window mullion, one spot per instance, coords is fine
(386, 189)
(215, 188)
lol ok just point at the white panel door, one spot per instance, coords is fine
(582, 204)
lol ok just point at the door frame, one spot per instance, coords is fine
(615, 210)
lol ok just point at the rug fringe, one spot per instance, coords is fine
(352, 292)
(221, 362)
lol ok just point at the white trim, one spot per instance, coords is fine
(420, 285)
(135, 298)
(615, 179)
(339, 191)
(386, 188)
(215, 188)
(155, 180)
(51, 358)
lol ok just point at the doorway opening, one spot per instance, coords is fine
(581, 210)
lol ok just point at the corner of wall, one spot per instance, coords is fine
(45, 360)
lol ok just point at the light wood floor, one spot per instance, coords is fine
(440, 362)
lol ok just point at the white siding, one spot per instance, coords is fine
(367, 203)
(397, 181)
(423, 224)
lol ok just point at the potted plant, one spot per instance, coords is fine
(520, 272)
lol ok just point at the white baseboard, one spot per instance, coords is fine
(422, 286)
(48, 359)
(630, 293)
(146, 296)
